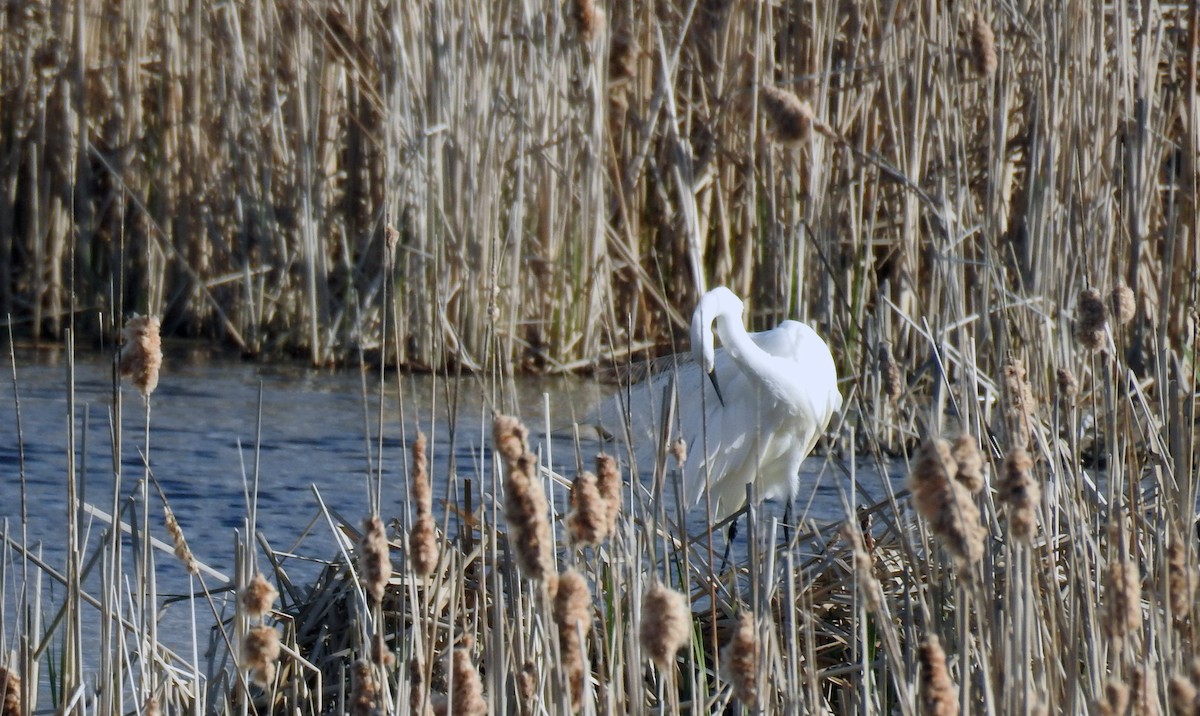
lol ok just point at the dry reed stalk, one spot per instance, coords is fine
(375, 565)
(258, 596)
(364, 691)
(739, 660)
(1021, 408)
(573, 615)
(525, 507)
(938, 692)
(423, 545)
(1181, 577)
(892, 376)
(970, 463)
(1090, 320)
(141, 353)
(942, 500)
(864, 568)
(1123, 593)
(588, 519)
(608, 482)
(983, 46)
(1121, 302)
(10, 690)
(260, 651)
(182, 552)
(1020, 492)
(666, 624)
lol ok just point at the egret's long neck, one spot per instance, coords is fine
(767, 370)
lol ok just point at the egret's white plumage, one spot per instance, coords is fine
(778, 391)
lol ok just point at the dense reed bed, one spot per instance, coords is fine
(989, 211)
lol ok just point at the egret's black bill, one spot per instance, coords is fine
(712, 375)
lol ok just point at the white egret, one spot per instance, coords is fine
(770, 397)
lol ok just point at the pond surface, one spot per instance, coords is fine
(322, 432)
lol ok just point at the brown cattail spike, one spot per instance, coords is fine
(1020, 492)
(374, 563)
(182, 551)
(423, 545)
(608, 481)
(588, 519)
(739, 659)
(525, 507)
(1123, 594)
(1021, 409)
(970, 463)
(510, 437)
(666, 624)
(573, 616)
(938, 693)
(421, 491)
(864, 567)
(791, 117)
(1183, 695)
(1181, 577)
(364, 693)
(1067, 387)
(983, 46)
(1122, 303)
(467, 698)
(381, 655)
(141, 353)
(942, 500)
(10, 690)
(1115, 701)
(1090, 320)
(589, 20)
(258, 596)
(260, 651)
(892, 377)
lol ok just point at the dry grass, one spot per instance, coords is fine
(996, 227)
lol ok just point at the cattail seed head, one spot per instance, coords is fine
(421, 491)
(1020, 492)
(1021, 408)
(588, 519)
(679, 451)
(423, 545)
(739, 659)
(467, 698)
(622, 56)
(1183, 695)
(258, 596)
(608, 482)
(141, 353)
(1115, 701)
(666, 624)
(510, 437)
(573, 615)
(864, 568)
(1067, 387)
(1123, 593)
(1123, 305)
(260, 651)
(983, 46)
(938, 693)
(152, 707)
(182, 552)
(10, 691)
(942, 500)
(1090, 320)
(526, 511)
(374, 563)
(381, 655)
(889, 369)
(418, 695)
(589, 20)
(527, 684)
(970, 463)
(1181, 577)
(791, 117)
(364, 692)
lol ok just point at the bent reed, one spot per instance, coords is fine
(992, 213)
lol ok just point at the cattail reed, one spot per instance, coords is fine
(152, 707)
(942, 500)
(889, 370)
(258, 596)
(589, 20)
(666, 624)
(381, 655)
(573, 615)
(525, 507)
(182, 551)
(1143, 690)
(938, 693)
(1090, 320)
(467, 696)
(1121, 301)
(260, 651)
(588, 519)
(141, 353)
(1020, 492)
(364, 692)
(679, 451)
(1067, 387)
(622, 56)
(864, 567)
(608, 482)
(1020, 409)
(1181, 577)
(1115, 701)
(418, 693)
(421, 491)
(1123, 594)
(10, 689)
(739, 660)
(423, 545)
(374, 563)
(983, 46)
(791, 117)
(527, 684)
(970, 463)
(1183, 695)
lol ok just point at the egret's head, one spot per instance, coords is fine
(719, 303)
